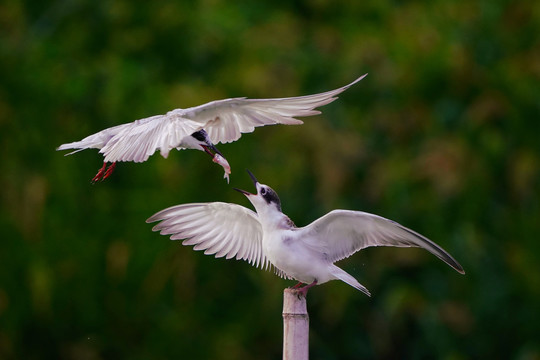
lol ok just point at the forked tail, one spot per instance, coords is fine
(343, 276)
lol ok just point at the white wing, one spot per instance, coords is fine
(137, 140)
(223, 120)
(341, 233)
(226, 120)
(222, 229)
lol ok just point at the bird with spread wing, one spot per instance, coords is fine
(268, 237)
(199, 128)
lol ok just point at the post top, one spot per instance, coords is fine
(293, 302)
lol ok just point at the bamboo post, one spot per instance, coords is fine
(295, 326)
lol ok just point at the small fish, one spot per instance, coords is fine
(218, 159)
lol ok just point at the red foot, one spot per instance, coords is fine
(109, 171)
(303, 290)
(104, 172)
(100, 173)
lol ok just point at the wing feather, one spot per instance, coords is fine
(220, 229)
(341, 233)
(226, 120)
(138, 140)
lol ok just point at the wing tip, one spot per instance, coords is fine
(447, 258)
(293, 121)
(355, 81)
(153, 218)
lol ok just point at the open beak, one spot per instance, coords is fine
(255, 182)
(247, 193)
(253, 178)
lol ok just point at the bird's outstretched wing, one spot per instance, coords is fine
(341, 233)
(137, 140)
(218, 228)
(223, 120)
(226, 120)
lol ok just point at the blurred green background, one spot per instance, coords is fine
(442, 136)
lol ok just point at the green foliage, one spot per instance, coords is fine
(442, 136)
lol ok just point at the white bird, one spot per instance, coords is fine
(268, 237)
(199, 128)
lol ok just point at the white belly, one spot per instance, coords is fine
(294, 259)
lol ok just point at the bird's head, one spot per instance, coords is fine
(266, 199)
(203, 142)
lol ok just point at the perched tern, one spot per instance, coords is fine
(199, 128)
(268, 237)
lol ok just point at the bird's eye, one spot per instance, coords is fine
(263, 191)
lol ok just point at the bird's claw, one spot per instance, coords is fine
(302, 291)
(100, 173)
(109, 171)
(104, 172)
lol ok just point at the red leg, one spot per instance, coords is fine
(303, 290)
(109, 170)
(297, 285)
(100, 173)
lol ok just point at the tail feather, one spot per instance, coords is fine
(90, 142)
(345, 277)
(80, 145)
(71, 153)
(94, 141)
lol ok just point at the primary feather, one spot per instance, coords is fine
(268, 236)
(223, 120)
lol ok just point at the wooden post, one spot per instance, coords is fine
(295, 326)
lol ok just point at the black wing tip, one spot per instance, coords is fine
(447, 258)
(435, 249)
(452, 263)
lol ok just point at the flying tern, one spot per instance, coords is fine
(199, 128)
(268, 237)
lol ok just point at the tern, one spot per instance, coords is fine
(268, 237)
(199, 128)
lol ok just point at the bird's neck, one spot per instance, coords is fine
(190, 142)
(273, 219)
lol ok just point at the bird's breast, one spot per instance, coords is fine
(279, 247)
(289, 254)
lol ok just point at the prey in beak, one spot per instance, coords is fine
(211, 149)
(218, 158)
(202, 139)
